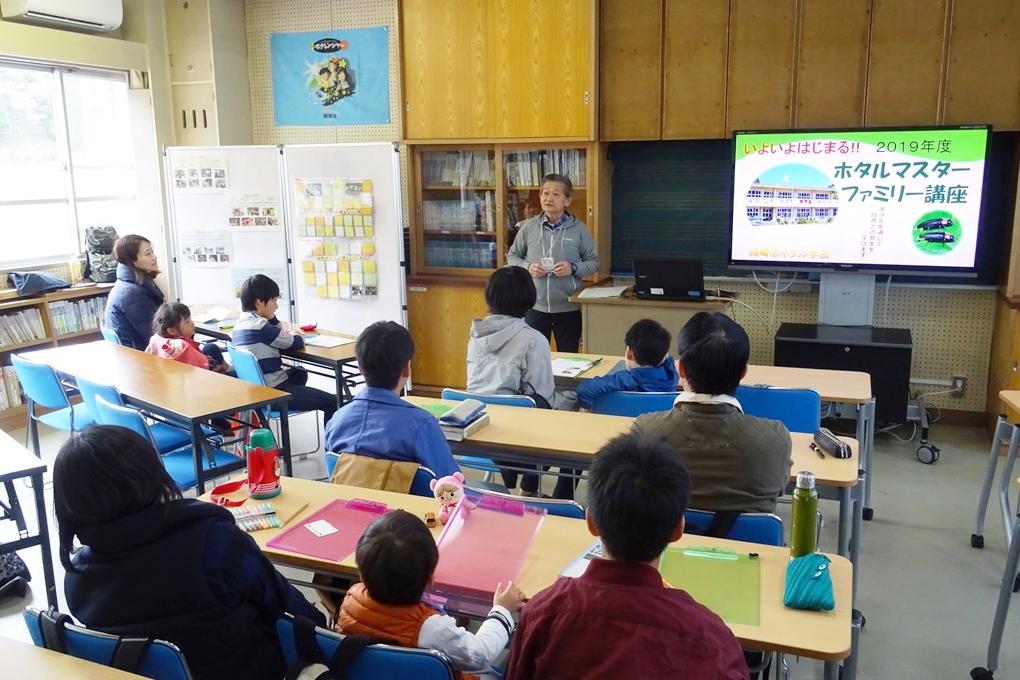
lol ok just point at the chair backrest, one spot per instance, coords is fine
(751, 527)
(799, 409)
(553, 506)
(161, 660)
(90, 390)
(633, 403)
(40, 383)
(420, 484)
(375, 661)
(246, 366)
(110, 335)
(494, 399)
(123, 416)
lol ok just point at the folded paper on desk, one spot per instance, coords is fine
(726, 582)
(573, 366)
(332, 533)
(215, 314)
(327, 341)
(484, 543)
(602, 292)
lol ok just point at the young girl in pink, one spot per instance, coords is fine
(174, 338)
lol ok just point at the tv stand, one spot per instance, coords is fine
(883, 353)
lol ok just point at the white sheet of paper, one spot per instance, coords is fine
(569, 368)
(602, 292)
(321, 527)
(214, 314)
(327, 341)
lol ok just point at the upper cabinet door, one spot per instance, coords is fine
(447, 54)
(983, 73)
(543, 68)
(630, 64)
(832, 63)
(759, 92)
(694, 87)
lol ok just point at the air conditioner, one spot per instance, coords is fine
(87, 15)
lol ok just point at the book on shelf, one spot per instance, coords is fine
(20, 327)
(457, 434)
(12, 387)
(76, 316)
(5, 401)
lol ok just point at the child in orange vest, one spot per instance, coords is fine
(174, 338)
(396, 558)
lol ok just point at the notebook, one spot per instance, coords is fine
(573, 366)
(327, 341)
(726, 582)
(331, 533)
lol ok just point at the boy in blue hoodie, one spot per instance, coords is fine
(649, 366)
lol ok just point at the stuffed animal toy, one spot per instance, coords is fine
(449, 491)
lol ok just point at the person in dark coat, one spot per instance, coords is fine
(152, 564)
(133, 302)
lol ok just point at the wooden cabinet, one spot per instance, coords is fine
(1012, 282)
(467, 201)
(1004, 363)
(439, 316)
(487, 69)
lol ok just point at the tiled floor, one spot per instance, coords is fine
(927, 595)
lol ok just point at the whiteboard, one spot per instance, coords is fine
(346, 165)
(240, 217)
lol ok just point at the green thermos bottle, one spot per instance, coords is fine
(804, 532)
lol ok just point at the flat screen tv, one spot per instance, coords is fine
(875, 200)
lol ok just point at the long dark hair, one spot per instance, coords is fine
(101, 474)
(125, 250)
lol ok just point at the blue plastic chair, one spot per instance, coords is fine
(554, 506)
(375, 661)
(482, 463)
(179, 464)
(799, 409)
(110, 335)
(42, 388)
(633, 403)
(751, 527)
(166, 437)
(420, 485)
(161, 660)
(246, 366)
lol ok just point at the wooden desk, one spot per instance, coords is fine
(25, 661)
(171, 389)
(819, 635)
(571, 439)
(339, 361)
(17, 463)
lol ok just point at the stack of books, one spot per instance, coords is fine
(10, 389)
(465, 419)
(21, 327)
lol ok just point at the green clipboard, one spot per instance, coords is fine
(728, 583)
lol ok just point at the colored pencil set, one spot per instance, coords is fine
(256, 517)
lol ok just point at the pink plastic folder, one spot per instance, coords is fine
(484, 544)
(350, 518)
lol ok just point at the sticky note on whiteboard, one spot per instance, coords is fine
(657, 291)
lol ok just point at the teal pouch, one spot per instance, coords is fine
(809, 584)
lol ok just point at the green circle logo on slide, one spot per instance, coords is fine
(937, 232)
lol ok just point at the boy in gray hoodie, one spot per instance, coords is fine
(558, 251)
(507, 356)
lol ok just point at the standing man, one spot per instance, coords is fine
(558, 251)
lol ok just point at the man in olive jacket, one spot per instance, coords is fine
(737, 462)
(558, 251)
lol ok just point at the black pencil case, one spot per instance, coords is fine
(831, 444)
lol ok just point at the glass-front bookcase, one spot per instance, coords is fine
(469, 201)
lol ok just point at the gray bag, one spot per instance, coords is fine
(100, 264)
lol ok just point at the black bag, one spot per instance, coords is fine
(310, 659)
(14, 575)
(100, 264)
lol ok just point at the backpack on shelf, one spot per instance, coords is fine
(100, 264)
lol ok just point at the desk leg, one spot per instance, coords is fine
(1004, 486)
(288, 469)
(1002, 607)
(866, 442)
(846, 506)
(855, 530)
(197, 442)
(977, 539)
(33, 428)
(44, 540)
(831, 670)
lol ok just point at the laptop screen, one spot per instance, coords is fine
(669, 278)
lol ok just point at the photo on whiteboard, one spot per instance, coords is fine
(206, 249)
(202, 171)
(239, 275)
(252, 211)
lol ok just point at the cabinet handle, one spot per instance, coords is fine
(586, 96)
(846, 349)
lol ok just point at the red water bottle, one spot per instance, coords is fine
(263, 465)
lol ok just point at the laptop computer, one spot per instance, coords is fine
(669, 278)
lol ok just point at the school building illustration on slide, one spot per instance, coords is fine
(792, 194)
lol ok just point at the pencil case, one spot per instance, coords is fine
(831, 444)
(809, 584)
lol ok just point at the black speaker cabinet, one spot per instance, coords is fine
(883, 353)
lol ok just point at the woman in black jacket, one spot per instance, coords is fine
(152, 564)
(135, 297)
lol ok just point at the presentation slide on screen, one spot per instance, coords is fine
(908, 198)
